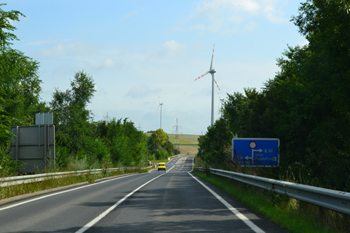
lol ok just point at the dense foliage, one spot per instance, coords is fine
(159, 145)
(19, 82)
(19, 89)
(306, 105)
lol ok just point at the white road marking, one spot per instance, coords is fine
(169, 169)
(230, 207)
(102, 215)
(66, 191)
(192, 164)
(181, 160)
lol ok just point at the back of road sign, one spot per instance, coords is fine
(256, 152)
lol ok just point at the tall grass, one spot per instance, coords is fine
(290, 214)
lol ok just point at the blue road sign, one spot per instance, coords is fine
(256, 152)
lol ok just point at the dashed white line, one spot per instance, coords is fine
(102, 215)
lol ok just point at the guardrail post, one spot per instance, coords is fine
(320, 213)
(301, 206)
(346, 219)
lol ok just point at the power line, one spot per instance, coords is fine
(106, 119)
(177, 141)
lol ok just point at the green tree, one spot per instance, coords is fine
(71, 116)
(19, 82)
(6, 28)
(159, 138)
(127, 145)
(159, 144)
(214, 147)
(327, 73)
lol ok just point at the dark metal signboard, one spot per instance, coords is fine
(33, 145)
(256, 152)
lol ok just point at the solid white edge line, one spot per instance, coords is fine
(230, 207)
(102, 215)
(66, 191)
(192, 164)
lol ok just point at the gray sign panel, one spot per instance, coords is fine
(44, 118)
(33, 145)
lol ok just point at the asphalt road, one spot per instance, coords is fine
(171, 201)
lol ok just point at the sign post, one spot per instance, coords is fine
(256, 152)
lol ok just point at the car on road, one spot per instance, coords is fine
(161, 166)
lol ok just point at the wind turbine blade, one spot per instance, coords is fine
(158, 99)
(212, 58)
(217, 84)
(201, 76)
(219, 95)
(157, 109)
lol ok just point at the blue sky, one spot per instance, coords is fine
(137, 50)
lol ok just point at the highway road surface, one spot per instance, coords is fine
(171, 201)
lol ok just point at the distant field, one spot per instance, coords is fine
(191, 150)
(185, 138)
(188, 143)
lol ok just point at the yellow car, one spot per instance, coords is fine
(161, 166)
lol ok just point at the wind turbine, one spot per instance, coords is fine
(160, 105)
(212, 72)
(222, 100)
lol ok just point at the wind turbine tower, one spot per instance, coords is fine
(160, 106)
(212, 72)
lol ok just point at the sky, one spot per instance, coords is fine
(142, 52)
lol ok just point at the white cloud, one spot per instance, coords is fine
(67, 49)
(305, 42)
(108, 63)
(212, 8)
(249, 27)
(172, 47)
(227, 16)
(141, 91)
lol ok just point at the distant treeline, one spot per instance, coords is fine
(306, 105)
(80, 141)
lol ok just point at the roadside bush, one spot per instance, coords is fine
(151, 157)
(8, 166)
(162, 154)
(62, 157)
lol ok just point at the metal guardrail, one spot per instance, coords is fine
(331, 199)
(15, 180)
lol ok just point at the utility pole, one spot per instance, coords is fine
(139, 127)
(106, 118)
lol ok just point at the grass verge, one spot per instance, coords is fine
(267, 204)
(15, 190)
